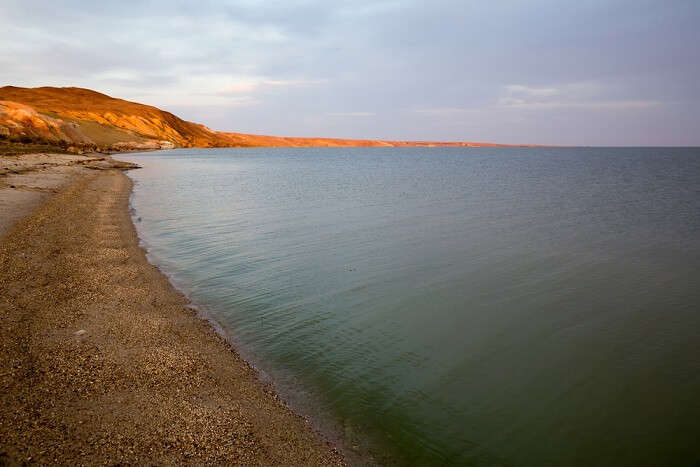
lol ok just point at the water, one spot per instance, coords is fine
(456, 306)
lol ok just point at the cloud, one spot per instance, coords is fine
(519, 89)
(259, 84)
(444, 111)
(236, 88)
(293, 82)
(350, 114)
(569, 96)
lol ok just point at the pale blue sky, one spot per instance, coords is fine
(553, 72)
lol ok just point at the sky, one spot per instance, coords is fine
(586, 72)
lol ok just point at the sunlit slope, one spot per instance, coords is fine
(85, 117)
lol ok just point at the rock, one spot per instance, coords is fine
(80, 332)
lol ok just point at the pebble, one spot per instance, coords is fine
(153, 381)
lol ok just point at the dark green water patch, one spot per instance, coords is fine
(458, 306)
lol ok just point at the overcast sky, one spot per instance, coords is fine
(589, 72)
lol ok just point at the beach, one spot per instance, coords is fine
(103, 360)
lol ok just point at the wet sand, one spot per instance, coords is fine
(102, 360)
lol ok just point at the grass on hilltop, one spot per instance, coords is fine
(16, 145)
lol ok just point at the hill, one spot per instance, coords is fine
(88, 119)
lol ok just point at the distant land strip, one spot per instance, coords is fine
(74, 119)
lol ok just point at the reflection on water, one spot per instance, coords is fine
(460, 306)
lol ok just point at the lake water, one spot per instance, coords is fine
(452, 306)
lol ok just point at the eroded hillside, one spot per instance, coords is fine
(87, 119)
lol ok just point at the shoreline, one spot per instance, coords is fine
(105, 360)
(357, 450)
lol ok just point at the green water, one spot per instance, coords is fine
(452, 306)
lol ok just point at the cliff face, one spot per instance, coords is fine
(78, 116)
(82, 116)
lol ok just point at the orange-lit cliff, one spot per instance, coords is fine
(77, 116)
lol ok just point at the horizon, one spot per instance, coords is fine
(616, 74)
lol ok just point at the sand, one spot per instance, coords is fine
(102, 360)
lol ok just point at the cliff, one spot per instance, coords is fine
(84, 118)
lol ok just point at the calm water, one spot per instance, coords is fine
(456, 306)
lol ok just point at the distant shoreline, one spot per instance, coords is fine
(91, 121)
